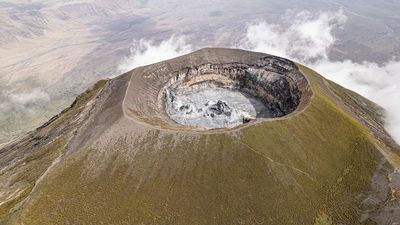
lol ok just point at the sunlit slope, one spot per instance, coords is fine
(314, 166)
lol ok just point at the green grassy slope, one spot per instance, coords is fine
(312, 167)
(27, 160)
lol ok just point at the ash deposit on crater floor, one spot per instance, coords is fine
(214, 108)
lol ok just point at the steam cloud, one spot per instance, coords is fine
(144, 52)
(307, 38)
(22, 101)
(19, 107)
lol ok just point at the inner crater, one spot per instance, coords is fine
(215, 108)
(214, 96)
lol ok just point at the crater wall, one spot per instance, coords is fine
(273, 82)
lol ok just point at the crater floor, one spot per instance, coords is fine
(214, 108)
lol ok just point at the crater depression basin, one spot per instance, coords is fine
(213, 108)
(215, 90)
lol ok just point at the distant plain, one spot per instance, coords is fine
(50, 51)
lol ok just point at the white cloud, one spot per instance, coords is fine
(26, 98)
(379, 83)
(22, 101)
(144, 52)
(19, 109)
(308, 39)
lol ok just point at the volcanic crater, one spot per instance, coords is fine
(311, 151)
(202, 95)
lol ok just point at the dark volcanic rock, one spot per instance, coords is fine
(220, 107)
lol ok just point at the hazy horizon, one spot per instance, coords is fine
(53, 50)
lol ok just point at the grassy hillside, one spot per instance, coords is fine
(311, 168)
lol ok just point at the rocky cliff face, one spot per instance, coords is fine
(116, 156)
